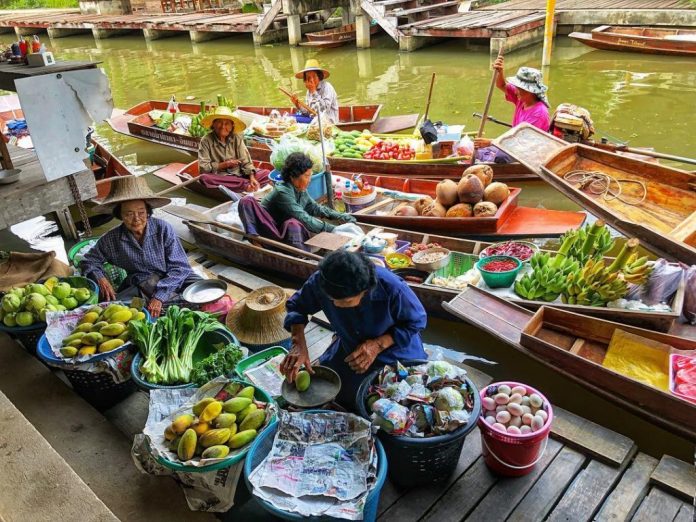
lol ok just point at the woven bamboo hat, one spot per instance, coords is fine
(129, 188)
(224, 113)
(311, 65)
(258, 318)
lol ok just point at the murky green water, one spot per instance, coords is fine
(647, 100)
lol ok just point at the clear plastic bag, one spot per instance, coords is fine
(660, 286)
(464, 147)
(289, 144)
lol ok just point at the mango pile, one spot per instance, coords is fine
(353, 144)
(217, 425)
(100, 330)
(24, 306)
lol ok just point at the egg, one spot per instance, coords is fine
(515, 409)
(502, 398)
(502, 407)
(515, 421)
(537, 423)
(504, 388)
(542, 414)
(516, 398)
(490, 420)
(500, 427)
(488, 403)
(525, 401)
(527, 419)
(535, 400)
(503, 417)
(514, 430)
(524, 429)
(526, 409)
(519, 389)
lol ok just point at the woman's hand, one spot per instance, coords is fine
(106, 290)
(297, 357)
(498, 64)
(229, 164)
(364, 355)
(347, 218)
(481, 143)
(154, 307)
(254, 185)
(295, 100)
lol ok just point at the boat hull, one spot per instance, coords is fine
(645, 40)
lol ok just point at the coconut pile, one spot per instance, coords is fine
(476, 195)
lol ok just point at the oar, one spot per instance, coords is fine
(623, 148)
(178, 186)
(484, 116)
(494, 120)
(194, 216)
(302, 104)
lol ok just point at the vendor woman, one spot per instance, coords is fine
(527, 91)
(145, 247)
(223, 158)
(376, 316)
(320, 94)
(289, 213)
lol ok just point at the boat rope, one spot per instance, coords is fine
(601, 184)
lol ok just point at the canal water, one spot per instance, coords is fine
(647, 101)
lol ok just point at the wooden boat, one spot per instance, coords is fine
(575, 345)
(106, 166)
(335, 37)
(511, 220)
(136, 121)
(651, 40)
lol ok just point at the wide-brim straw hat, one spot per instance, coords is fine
(311, 65)
(258, 318)
(224, 113)
(530, 80)
(130, 188)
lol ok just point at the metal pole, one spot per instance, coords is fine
(548, 32)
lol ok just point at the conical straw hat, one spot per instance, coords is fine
(258, 318)
(311, 65)
(129, 188)
(224, 113)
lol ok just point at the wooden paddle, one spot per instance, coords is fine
(487, 106)
(302, 104)
(194, 216)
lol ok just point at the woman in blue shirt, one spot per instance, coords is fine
(376, 316)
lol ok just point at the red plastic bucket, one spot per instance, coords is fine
(510, 454)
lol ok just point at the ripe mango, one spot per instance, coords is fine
(242, 439)
(225, 420)
(216, 452)
(96, 309)
(169, 433)
(87, 350)
(200, 428)
(211, 411)
(233, 388)
(112, 344)
(75, 343)
(302, 381)
(236, 405)
(68, 352)
(113, 329)
(246, 411)
(83, 327)
(140, 316)
(99, 325)
(253, 421)
(181, 423)
(122, 316)
(215, 437)
(93, 338)
(201, 405)
(187, 445)
(72, 337)
(247, 392)
(112, 309)
(89, 317)
(133, 311)
(233, 430)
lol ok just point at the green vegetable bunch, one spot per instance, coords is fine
(220, 363)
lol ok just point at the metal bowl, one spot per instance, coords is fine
(433, 265)
(9, 176)
(205, 291)
(324, 386)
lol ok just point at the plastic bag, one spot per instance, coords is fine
(660, 286)
(390, 416)
(689, 309)
(289, 144)
(464, 147)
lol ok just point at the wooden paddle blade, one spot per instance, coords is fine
(188, 214)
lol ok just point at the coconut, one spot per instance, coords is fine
(446, 192)
(405, 210)
(485, 208)
(482, 172)
(422, 203)
(496, 192)
(460, 210)
(470, 189)
(436, 209)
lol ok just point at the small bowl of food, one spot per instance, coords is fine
(522, 250)
(373, 245)
(499, 271)
(431, 259)
(389, 237)
(397, 260)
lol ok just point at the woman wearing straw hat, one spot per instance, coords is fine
(320, 94)
(376, 316)
(528, 92)
(145, 247)
(223, 158)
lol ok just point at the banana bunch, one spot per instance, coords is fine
(594, 285)
(223, 101)
(547, 279)
(590, 241)
(196, 129)
(637, 270)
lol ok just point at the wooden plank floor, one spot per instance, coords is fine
(570, 5)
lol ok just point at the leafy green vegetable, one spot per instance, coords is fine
(165, 121)
(220, 363)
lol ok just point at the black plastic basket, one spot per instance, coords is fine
(421, 461)
(28, 337)
(100, 389)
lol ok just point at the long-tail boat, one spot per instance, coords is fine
(651, 40)
(335, 37)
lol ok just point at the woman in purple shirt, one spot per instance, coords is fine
(527, 91)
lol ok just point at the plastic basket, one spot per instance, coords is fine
(113, 273)
(316, 188)
(99, 389)
(509, 454)
(258, 359)
(259, 395)
(459, 264)
(421, 461)
(256, 348)
(204, 348)
(262, 446)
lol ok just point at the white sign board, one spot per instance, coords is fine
(59, 109)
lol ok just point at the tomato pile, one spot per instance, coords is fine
(390, 150)
(414, 248)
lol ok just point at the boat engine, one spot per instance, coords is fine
(572, 123)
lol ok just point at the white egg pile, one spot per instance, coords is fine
(513, 410)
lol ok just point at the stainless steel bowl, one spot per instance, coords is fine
(204, 291)
(9, 176)
(433, 265)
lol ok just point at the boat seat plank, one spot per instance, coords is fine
(501, 500)
(686, 230)
(549, 488)
(686, 514)
(593, 351)
(587, 492)
(243, 279)
(623, 502)
(658, 505)
(602, 443)
(566, 342)
(676, 476)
